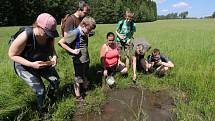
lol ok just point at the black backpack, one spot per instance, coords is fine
(30, 36)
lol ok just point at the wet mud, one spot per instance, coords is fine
(133, 104)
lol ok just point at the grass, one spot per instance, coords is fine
(188, 43)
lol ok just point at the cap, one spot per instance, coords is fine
(48, 23)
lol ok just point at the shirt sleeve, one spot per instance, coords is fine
(164, 58)
(69, 24)
(118, 25)
(71, 36)
(149, 59)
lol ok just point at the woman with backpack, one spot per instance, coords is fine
(34, 57)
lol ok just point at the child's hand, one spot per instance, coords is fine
(39, 64)
(76, 51)
(122, 37)
(134, 77)
(105, 73)
(53, 61)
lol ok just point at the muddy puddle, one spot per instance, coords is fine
(133, 104)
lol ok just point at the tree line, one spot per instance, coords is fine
(24, 12)
(212, 16)
(182, 15)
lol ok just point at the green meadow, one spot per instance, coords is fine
(188, 43)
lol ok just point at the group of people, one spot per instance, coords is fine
(125, 46)
(34, 54)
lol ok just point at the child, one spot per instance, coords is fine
(125, 30)
(76, 43)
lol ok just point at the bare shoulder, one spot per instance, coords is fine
(20, 40)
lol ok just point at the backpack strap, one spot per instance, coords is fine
(120, 26)
(31, 37)
(131, 25)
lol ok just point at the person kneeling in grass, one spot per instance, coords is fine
(159, 63)
(76, 43)
(139, 48)
(110, 57)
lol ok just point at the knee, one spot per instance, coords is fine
(76, 85)
(39, 90)
(55, 82)
(166, 68)
(124, 71)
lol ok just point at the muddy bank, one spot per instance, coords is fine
(133, 104)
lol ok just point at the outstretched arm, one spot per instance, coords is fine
(134, 65)
(168, 64)
(102, 57)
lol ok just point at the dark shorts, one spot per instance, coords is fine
(140, 62)
(81, 70)
(124, 49)
(116, 68)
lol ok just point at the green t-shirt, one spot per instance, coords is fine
(125, 29)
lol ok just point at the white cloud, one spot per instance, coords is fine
(164, 10)
(181, 5)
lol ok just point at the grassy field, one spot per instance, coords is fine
(188, 43)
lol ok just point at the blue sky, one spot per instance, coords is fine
(195, 8)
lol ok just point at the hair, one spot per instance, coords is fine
(35, 25)
(88, 21)
(110, 34)
(128, 13)
(81, 5)
(156, 51)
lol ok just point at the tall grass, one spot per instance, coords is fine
(188, 43)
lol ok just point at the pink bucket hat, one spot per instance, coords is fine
(48, 23)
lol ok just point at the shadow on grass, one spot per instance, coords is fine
(95, 74)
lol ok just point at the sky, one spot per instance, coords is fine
(195, 8)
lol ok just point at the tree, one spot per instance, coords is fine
(183, 15)
(172, 16)
(213, 15)
(24, 12)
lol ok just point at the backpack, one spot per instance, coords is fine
(131, 24)
(30, 36)
(62, 24)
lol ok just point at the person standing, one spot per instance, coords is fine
(125, 30)
(72, 21)
(79, 52)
